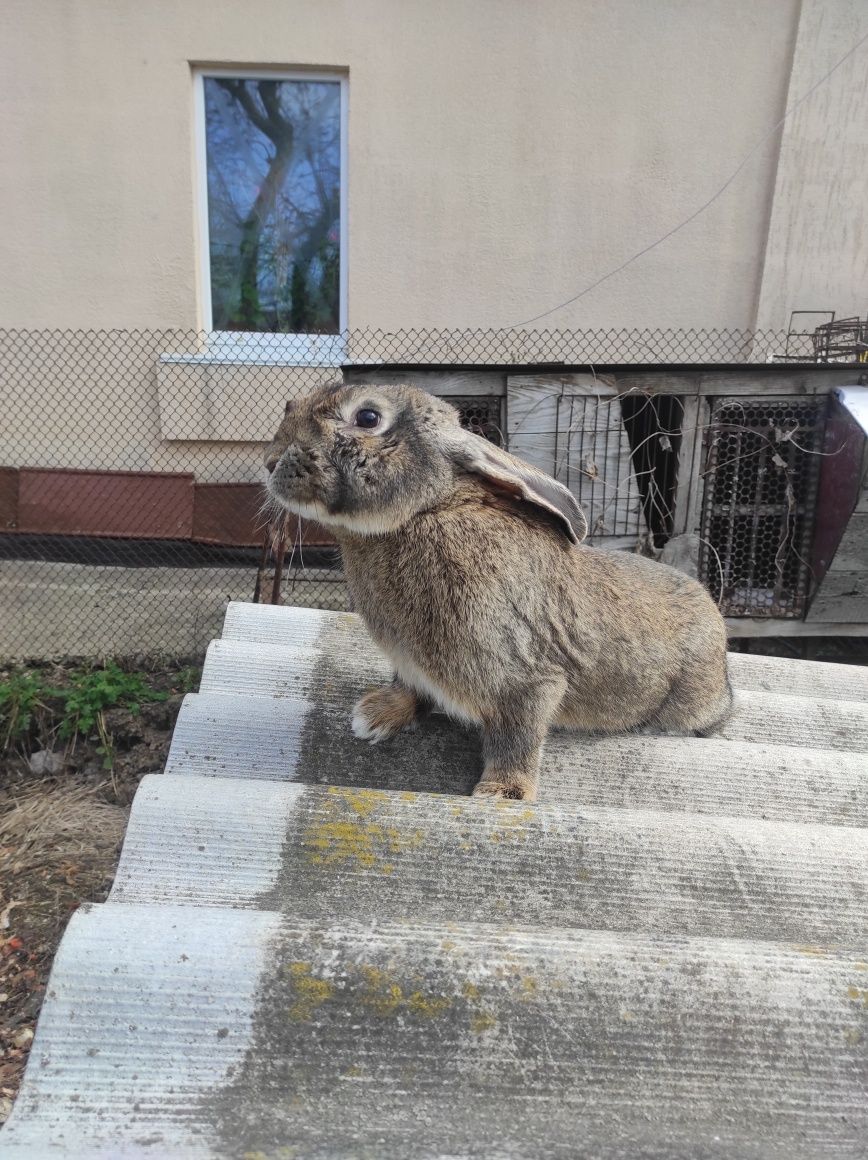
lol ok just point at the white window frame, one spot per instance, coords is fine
(264, 346)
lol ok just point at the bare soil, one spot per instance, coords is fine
(60, 837)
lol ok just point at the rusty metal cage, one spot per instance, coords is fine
(481, 414)
(760, 486)
(832, 340)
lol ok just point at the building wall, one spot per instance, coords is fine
(817, 252)
(502, 154)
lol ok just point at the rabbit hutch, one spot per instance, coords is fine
(754, 479)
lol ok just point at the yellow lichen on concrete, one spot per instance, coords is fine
(513, 813)
(382, 992)
(339, 838)
(510, 821)
(329, 842)
(428, 1006)
(858, 995)
(310, 992)
(482, 1021)
(386, 996)
(286, 1152)
(361, 801)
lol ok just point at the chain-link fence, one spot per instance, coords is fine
(131, 461)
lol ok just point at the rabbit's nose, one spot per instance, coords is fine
(272, 458)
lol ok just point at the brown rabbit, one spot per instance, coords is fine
(467, 566)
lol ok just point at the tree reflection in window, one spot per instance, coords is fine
(273, 151)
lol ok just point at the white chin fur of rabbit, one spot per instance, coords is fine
(362, 525)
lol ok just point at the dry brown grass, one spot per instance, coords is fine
(60, 837)
(49, 825)
(59, 846)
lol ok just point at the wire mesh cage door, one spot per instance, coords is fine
(573, 427)
(759, 481)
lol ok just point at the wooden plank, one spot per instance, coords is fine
(804, 383)
(843, 597)
(852, 554)
(533, 418)
(688, 491)
(106, 503)
(584, 383)
(435, 382)
(745, 627)
(812, 381)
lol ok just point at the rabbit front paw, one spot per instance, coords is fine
(517, 788)
(382, 713)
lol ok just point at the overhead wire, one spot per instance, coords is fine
(705, 205)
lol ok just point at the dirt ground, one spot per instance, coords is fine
(60, 837)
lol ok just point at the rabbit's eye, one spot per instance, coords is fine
(367, 418)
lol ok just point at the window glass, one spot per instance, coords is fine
(273, 157)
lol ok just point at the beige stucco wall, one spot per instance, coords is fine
(502, 153)
(817, 251)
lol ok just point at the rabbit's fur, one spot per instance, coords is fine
(466, 566)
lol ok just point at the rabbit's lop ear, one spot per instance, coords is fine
(506, 473)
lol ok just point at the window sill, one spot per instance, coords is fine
(328, 350)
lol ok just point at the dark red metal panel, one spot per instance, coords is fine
(105, 503)
(231, 513)
(228, 513)
(8, 499)
(840, 476)
(311, 533)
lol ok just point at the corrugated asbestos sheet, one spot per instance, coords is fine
(314, 948)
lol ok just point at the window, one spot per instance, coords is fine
(273, 212)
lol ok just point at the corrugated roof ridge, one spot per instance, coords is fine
(215, 1031)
